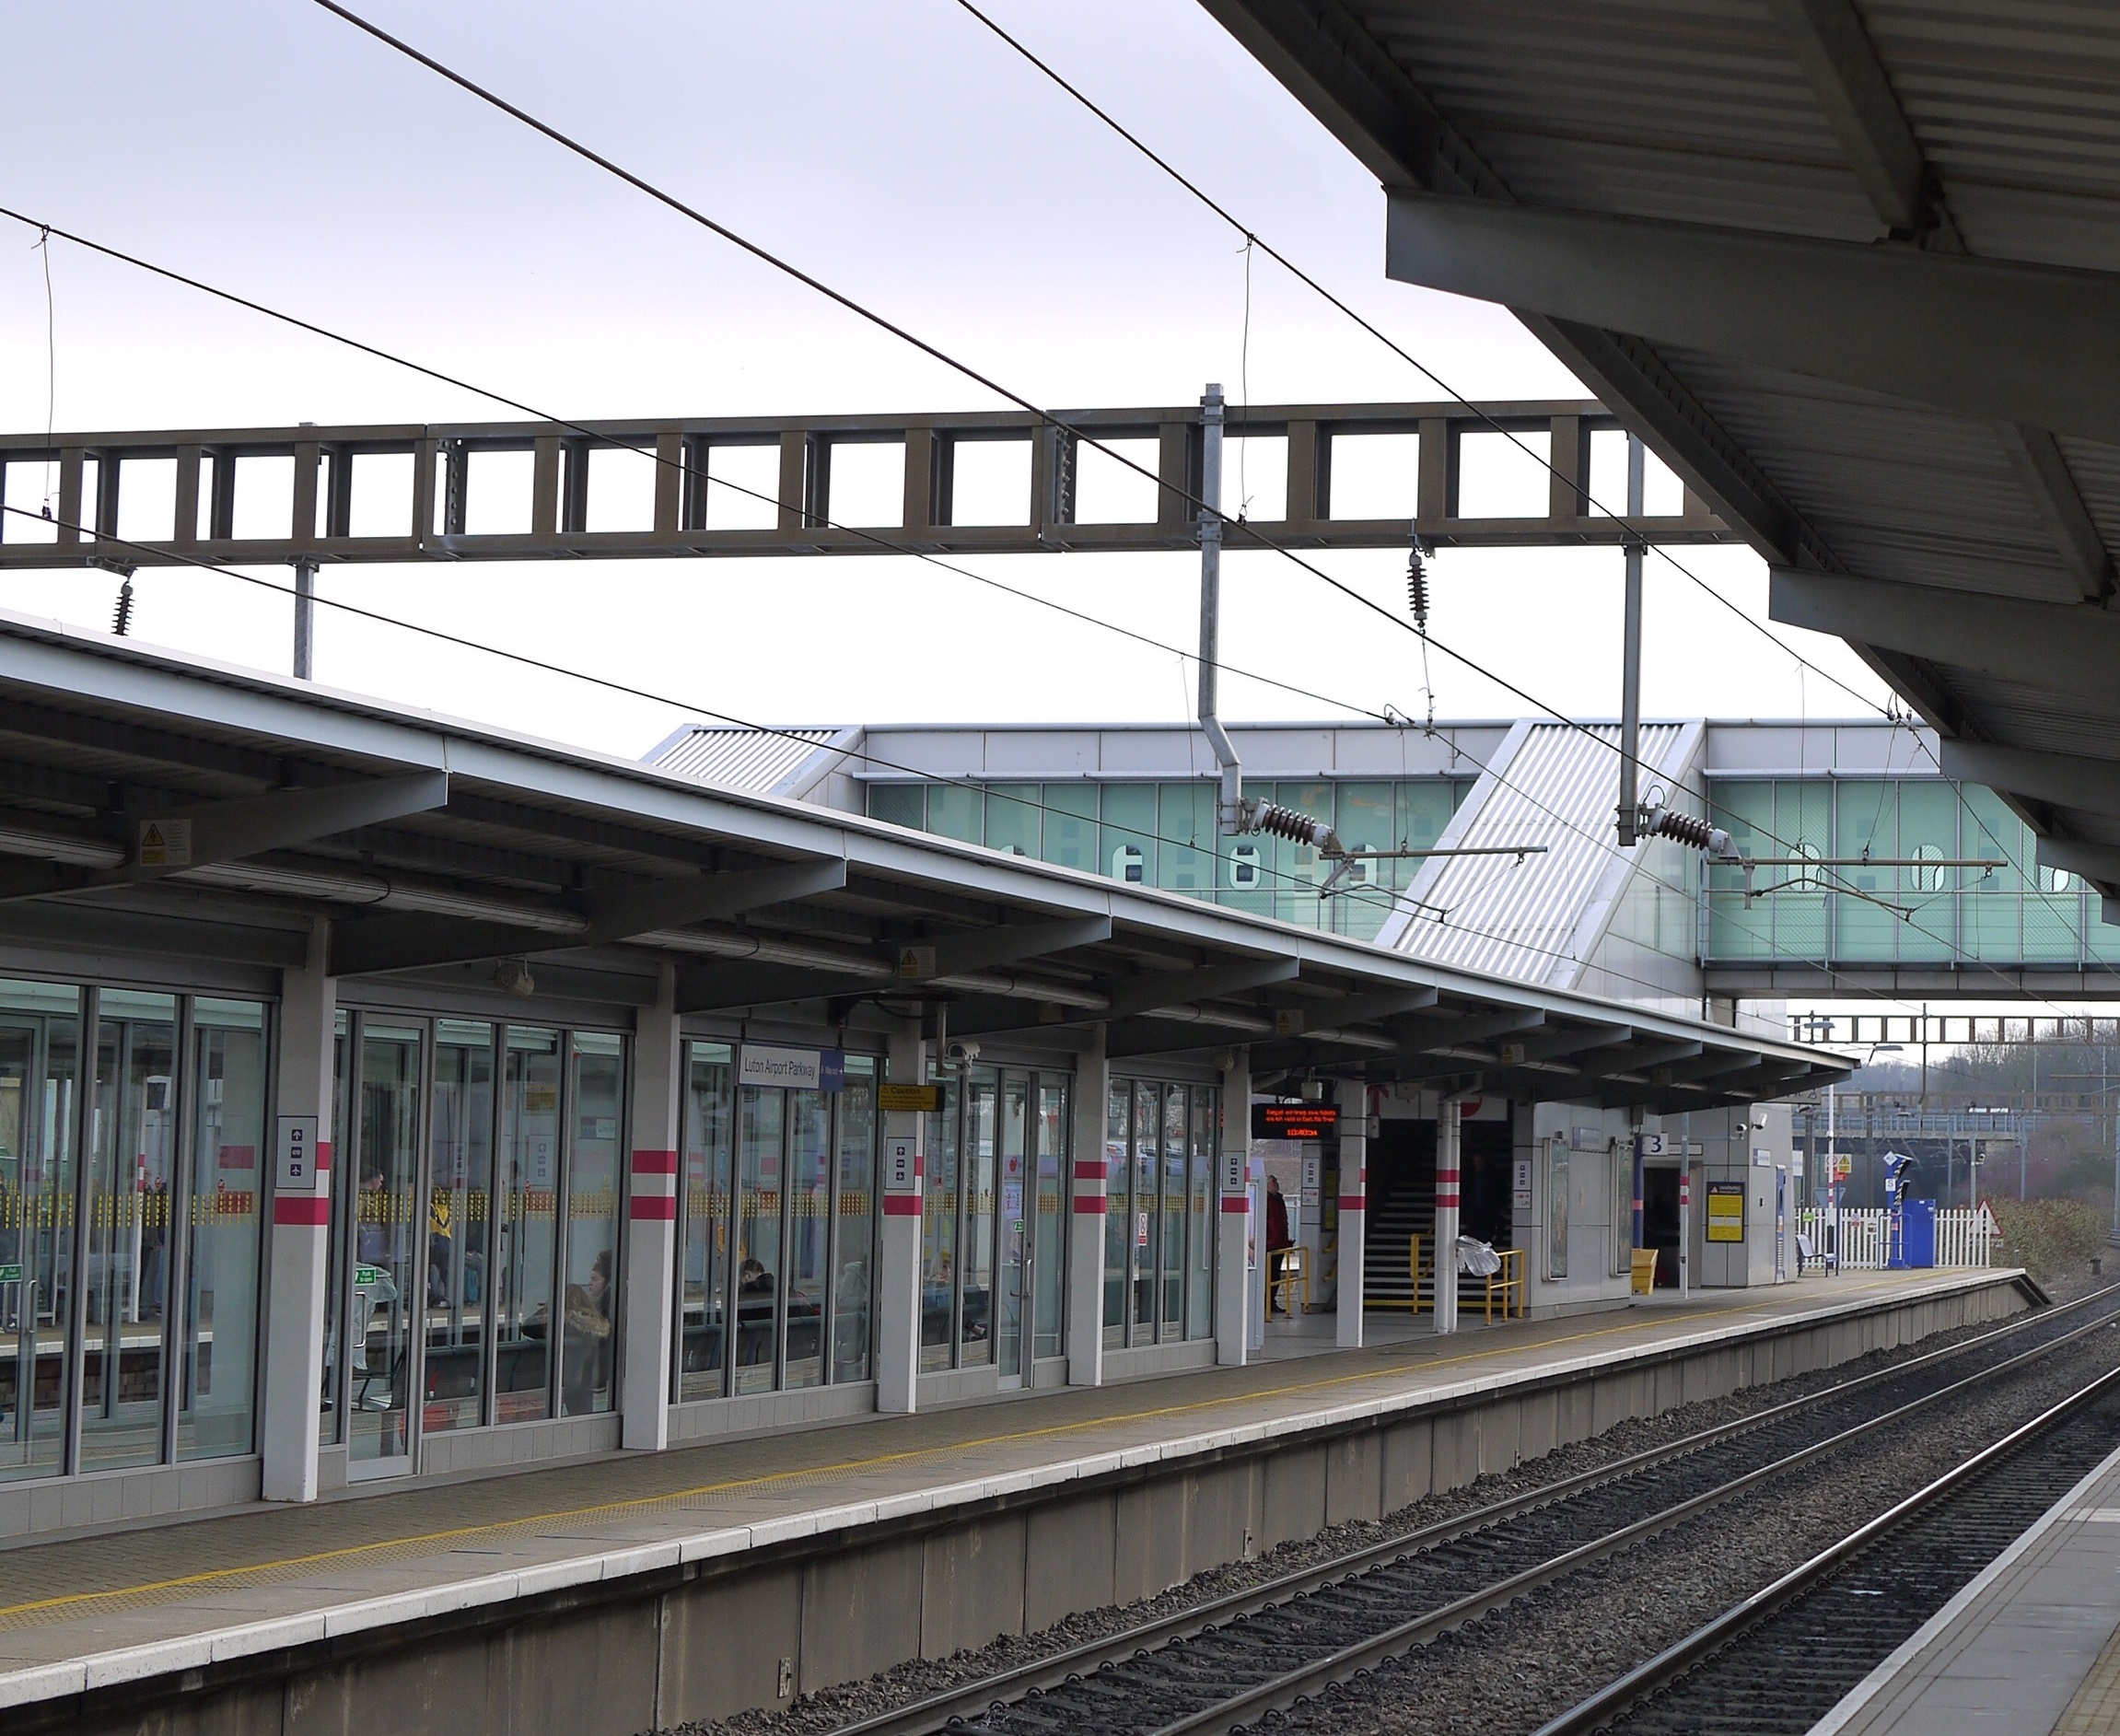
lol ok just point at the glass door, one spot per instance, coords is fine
(808, 1256)
(760, 1124)
(526, 1225)
(131, 1163)
(37, 1128)
(457, 1256)
(386, 1275)
(975, 1245)
(1018, 1255)
(1049, 1217)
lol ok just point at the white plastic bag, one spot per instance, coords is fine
(1477, 1259)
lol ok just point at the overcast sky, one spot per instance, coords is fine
(896, 150)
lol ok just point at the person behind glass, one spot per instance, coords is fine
(1278, 1241)
(584, 1359)
(755, 1290)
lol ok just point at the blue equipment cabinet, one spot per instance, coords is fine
(1917, 1232)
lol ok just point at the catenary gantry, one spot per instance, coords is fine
(319, 482)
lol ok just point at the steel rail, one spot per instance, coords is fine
(955, 1705)
(1619, 1697)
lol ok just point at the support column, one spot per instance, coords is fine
(1446, 1172)
(898, 1260)
(296, 1307)
(1235, 1249)
(1354, 1209)
(1086, 1219)
(649, 1273)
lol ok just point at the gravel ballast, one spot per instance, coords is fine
(1761, 1537)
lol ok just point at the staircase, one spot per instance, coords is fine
(1392, 1222)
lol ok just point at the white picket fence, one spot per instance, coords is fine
(1965, 1236)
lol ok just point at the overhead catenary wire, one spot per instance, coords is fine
(297, 321)
(544, 666)
(895, 329)
(1239, 525)
(1251, 239)
(1205, 508)
(1316, 286)
(882, 542)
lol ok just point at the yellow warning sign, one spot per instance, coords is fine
(165, 844)
(921, 1099)
(1726, 1211)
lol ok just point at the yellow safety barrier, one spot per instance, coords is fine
(1288, 1270)
(1507, 1284)
(1644, 1271)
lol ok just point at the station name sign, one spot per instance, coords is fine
(1295, 1120)
(791, 1070)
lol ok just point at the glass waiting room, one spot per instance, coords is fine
(475, 1243)
(130, 1197)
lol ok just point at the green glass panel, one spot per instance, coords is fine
(1071, 826)
(1129, 848)
(1247, 865)
(900, 804)
(1992, 915)
(1802, 827)
(1364, 817)
(1928, 829)
(1864, 825)
(1735, 930)
(1185, 816)
(1012, 819)
(955, 810)
(1298, 869)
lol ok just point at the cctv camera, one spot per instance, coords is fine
(960, 1054)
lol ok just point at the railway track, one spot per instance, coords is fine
(1777, 1663)
(1220, 1665)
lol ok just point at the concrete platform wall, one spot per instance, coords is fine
(722, 1637)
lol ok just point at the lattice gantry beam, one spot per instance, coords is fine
(1319, 476)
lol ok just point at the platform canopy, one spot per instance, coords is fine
(152, 808)
(1852, 270)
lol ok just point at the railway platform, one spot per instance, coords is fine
(2031, 1646)
(625, 1592)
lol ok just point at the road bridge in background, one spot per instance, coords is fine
(987, 483)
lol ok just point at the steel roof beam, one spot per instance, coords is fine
(1991, 338)
(1648, 1056)
(374, 945)
(2047, 479)
(2068, 780)
(2054, 647)
(1851, 86)
(1008, 943)
(1135, 997)
(201, 834)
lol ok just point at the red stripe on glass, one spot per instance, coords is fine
(301, 1208)
(1354, 1203)
(1237, 1202)
(649, 1207)
(902, 1205)
(1090, 1204)
(655, 1163)
(1088, 1169)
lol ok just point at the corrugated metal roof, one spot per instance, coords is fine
(772, 763)
(1554, 784)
